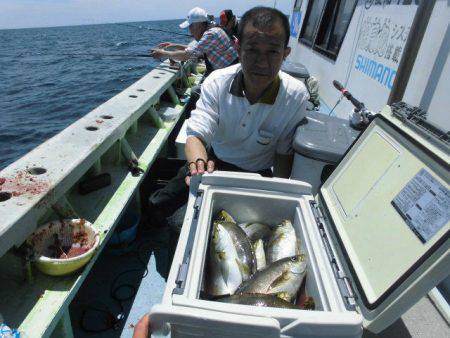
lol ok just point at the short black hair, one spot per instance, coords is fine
(263, 17)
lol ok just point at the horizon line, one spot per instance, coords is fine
(86, 24)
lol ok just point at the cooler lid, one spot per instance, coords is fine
(387, 206)
(322, 137)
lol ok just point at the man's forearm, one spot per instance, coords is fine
(177, 46)
(195, 149)
(179, 55)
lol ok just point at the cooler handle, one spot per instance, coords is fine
(256, 181)
(220, 173)
(161, 316)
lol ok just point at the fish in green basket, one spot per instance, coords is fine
(281, 278)
(282, 242)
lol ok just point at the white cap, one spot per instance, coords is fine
(196, 14)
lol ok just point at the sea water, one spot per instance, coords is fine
(43, 90)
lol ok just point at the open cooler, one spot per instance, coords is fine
(376, 237)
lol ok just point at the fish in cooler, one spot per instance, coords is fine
(260, 255)
(281, 278)
(224, 216)
(255, 231)
(282, 242)
(232, 260)
(260, 300)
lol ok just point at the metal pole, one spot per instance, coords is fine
(412, 46)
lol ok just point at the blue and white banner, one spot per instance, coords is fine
(296, 21)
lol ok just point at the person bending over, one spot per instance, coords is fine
(212, 42)
(229, 23)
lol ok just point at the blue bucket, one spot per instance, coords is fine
(126, 230)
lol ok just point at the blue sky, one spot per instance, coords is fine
(43, 13)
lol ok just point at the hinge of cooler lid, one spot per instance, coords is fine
(180, 281)
(344, 283)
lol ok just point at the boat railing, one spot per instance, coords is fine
(120, 138)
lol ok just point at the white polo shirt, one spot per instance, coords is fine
(243, 134)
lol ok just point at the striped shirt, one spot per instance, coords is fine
(217, 46)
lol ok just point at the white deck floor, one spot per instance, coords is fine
(421, 321)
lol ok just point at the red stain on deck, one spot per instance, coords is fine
(23, 183)
(99, 121)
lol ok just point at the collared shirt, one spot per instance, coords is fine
(217, 46)
(192, 46)
(248, 135)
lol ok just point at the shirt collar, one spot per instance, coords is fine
(268, 97)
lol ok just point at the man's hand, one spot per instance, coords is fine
(197, 158)
(198, 168)
(157, 53)
(142, 328)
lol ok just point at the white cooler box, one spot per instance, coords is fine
(377, 240)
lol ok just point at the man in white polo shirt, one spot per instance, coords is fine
(245, 119)
(247, 114)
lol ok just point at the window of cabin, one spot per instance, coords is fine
(312, 18)
(325, 31)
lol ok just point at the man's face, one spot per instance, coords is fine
(196, 30)
(261, 54)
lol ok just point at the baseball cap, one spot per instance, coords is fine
(225, 16)
(196, 14)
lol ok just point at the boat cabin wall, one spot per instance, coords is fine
(368, 59)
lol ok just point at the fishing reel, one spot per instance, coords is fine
(361, 116)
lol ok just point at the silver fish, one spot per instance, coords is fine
(258, 300)
(232, 260)
(282, 278)
(224, 216)
(282, 242)
(255, 231)
(260, 255)
(215, 284)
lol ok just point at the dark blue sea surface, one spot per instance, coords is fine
(42, 91)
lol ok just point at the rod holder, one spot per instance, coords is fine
(127, 152)
(156, 119)
(173, 95)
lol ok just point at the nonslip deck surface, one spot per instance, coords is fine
(421, 321)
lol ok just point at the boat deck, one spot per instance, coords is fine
(422, 320)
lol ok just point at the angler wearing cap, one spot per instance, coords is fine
(213, 43)
(229, 23)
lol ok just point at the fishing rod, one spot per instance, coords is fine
(154, 29)
(361, 116)
(108, 55)
(84, 55)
